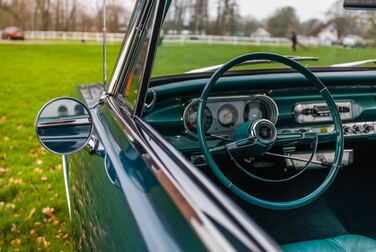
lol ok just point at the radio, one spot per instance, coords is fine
(319, 112)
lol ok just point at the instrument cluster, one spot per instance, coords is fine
(224, 114)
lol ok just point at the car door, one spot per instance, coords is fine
(128, 190)
(116, 202)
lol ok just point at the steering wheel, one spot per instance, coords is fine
(257, 137)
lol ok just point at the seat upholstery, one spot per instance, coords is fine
(343, 243)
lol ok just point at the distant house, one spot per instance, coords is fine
(327, 34)
(260, 33)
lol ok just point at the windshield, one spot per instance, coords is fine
(200, 34)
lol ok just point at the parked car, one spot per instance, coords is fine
(217, 159)
(15, 33)
(354, 41)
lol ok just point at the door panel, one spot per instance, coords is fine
(117, 204)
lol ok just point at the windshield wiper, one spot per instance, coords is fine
(252, 62)
(355, 63)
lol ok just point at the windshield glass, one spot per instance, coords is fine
(203, 33)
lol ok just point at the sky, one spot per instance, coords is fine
(306, 9)
(261, 9)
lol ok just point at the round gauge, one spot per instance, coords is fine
(227, 115)
(263, 107)
(190, 118)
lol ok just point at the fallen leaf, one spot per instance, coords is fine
(15, 242)
(38, 170)
(10, 206)
(3, 118)
(15, 181)
(31, 213)
(39, 161)
(20, 126)
(3, 170)
(14, 228)
(32, 232)
(44, 178)
(43, 240)
(6, 139)
(56, 167)
(48, 211)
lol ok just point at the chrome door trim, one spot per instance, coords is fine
(129, 46)
(152, 48)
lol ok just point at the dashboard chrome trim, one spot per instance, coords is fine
(223, 100)
(354, 110)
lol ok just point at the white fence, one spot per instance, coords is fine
(232, 40)
(74, 36)
(178, 38)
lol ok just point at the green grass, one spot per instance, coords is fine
(31, 179)
(175, 58)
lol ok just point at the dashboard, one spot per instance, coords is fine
(225, 114)
(287, 99)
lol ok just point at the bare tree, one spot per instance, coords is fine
(283, 21)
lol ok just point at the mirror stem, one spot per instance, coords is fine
(66, 181)
(104, 46)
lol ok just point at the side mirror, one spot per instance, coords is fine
(64, 125)
(360, 4)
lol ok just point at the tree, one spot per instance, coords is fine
(227, 17)
(249, 25)
(282, 22)
(310, 27)
(344, 21)
(43, 8)
(199, 19)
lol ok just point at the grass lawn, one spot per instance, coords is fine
(33, 208)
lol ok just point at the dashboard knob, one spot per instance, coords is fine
(347, 130)
(368, 127)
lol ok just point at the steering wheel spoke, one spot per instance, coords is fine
(290, 138)
(221, 149)
(286, 138)
(324, 164)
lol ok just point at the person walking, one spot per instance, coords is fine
(294, 40)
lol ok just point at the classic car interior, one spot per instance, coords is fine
(296, 158)
(295, 106)
(291, 144)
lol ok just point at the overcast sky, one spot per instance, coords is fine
(260, 9)
(306, 9)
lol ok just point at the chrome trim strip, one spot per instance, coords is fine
(227, 99)
(124, 60)
(66, 182)
(64, 123)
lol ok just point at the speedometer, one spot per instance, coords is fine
(227, 115)
(190, 118)
(262, 107)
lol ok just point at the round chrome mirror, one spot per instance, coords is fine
(64, 125)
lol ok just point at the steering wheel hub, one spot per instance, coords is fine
(264, 131)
